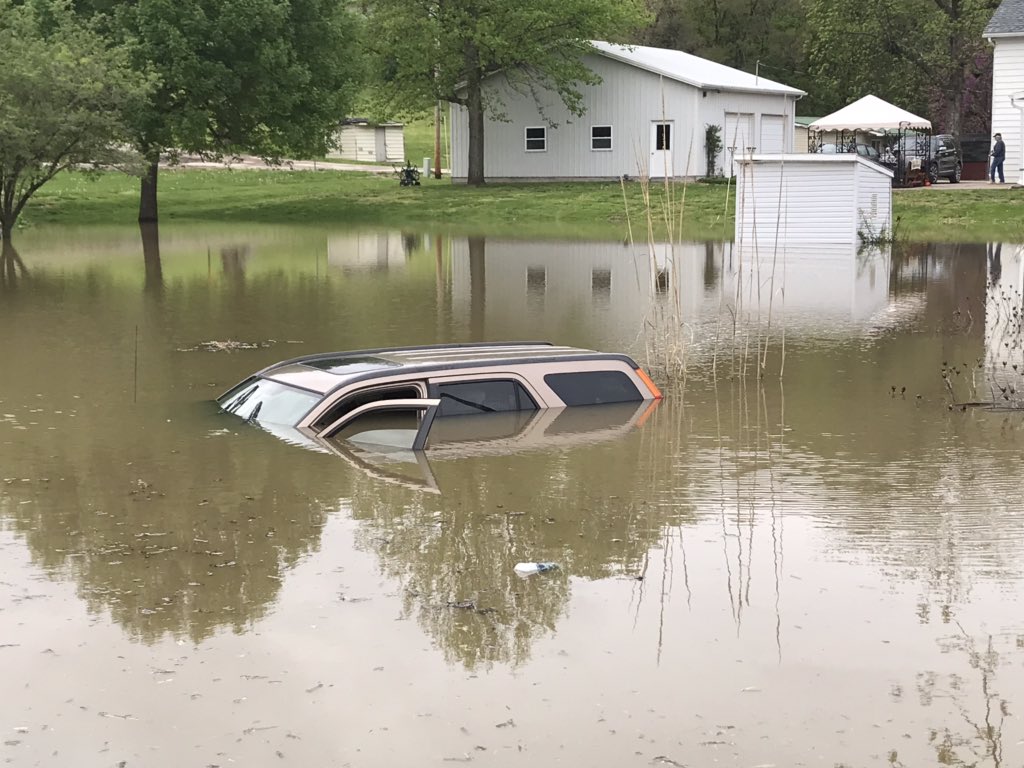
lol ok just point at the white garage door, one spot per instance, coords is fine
(773, 136)
(739, 132)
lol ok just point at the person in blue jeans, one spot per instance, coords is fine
(998, 156)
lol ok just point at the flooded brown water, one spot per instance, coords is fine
(822, 569)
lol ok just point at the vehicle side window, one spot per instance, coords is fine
(484, 396)
(593, 387)
(363, 397)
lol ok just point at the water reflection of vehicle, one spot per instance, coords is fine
(460, 437)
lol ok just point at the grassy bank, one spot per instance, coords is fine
(597, 210)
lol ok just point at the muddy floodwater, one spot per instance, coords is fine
(821, 568)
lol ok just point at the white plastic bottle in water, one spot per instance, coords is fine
(528, 569)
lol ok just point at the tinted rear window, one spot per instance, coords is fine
(593, 387)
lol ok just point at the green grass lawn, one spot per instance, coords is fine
(588, 210)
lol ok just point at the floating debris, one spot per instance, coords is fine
(229, 345)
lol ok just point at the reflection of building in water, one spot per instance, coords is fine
(607, 290)
(597, 287)
(1004, 305)
(834, 283)
(372, 251)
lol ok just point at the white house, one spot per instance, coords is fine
(811, 198)
(1006, 33)
(648, 115)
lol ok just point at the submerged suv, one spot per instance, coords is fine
(390, 397)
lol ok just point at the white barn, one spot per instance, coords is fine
(648, 114)
(811, 198)
(1006, 33)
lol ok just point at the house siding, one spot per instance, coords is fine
(1007, 79)
(874, 200)
(795, 200)
(629, 99)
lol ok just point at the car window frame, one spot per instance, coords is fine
(468, 377)
(429, 407)
(336, 398)
(433, 390)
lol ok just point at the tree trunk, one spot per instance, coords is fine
(955, 102)
(475, 107)
(147, 198)
(6, 227)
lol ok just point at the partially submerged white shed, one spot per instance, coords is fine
(811, 198)
(357, 139)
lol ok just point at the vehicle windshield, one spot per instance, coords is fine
(269, 402)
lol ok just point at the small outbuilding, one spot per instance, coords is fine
(811, 198)
(357, 138)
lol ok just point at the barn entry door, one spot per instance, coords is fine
(662, 137)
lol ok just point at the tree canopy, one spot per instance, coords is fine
(267, 77)
(927, 56)
(65, 93)
(445, 49)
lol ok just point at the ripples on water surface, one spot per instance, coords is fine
(823, 570)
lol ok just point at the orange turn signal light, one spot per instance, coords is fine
(650, 384)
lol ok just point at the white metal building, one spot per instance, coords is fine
(1006, 33)
(648, 114)
(811, 198)
(357, 139)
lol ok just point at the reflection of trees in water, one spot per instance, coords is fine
(233, 261)
(154, 283)
(951, 275)
(978, 702)
(180, 545)
(12, 268)
(590, 509)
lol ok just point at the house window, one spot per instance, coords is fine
(663, 137)
(601, 138)
(537, 139)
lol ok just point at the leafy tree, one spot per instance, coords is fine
(269, 77)
(928, 56)
(738, 33)
(446, 49)
(64, 93)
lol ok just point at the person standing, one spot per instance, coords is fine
(998, 156)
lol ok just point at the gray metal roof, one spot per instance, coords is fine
(1007, 20)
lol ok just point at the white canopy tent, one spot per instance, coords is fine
(870, 114)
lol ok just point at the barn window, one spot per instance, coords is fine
(601, 137)
(537, 139)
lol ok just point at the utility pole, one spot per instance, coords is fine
(437, 140)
